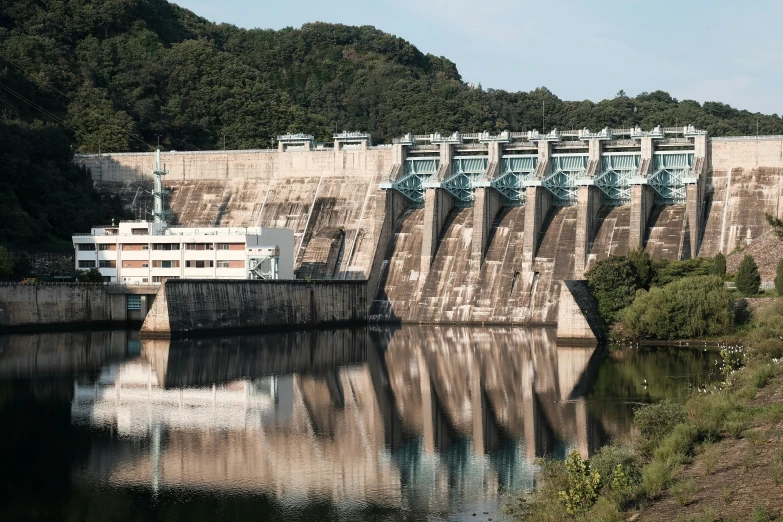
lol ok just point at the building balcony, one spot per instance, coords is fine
(165, 255)
(138, 255)
(205, 255)
(231, 255)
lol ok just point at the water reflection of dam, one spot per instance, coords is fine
(395, 417)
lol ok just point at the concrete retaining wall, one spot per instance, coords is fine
(202, 306)
(35, 305)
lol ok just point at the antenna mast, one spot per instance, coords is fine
(159, 194)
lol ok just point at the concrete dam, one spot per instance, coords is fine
(473, 228)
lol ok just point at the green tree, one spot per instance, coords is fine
(6, 265)
(642, 265)
(689, 307)
(719, 265)
(613, 283)
(748, 278)
(93, 275)
(582, 487)
(776, 224)
(779, 278)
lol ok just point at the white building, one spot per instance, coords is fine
(146, 252)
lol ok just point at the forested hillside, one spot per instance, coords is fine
(119, 75)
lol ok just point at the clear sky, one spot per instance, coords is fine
(705, 50)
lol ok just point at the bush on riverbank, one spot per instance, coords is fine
(689, 307)
(670, 436)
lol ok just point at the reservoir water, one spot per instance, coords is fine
(378, 423)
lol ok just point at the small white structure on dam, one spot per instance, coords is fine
(152, 252)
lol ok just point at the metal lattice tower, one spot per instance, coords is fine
(159, 193)
(668, 178)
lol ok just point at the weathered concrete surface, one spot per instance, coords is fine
(60, 304)
(305, 191)
(414, 258)
(504, 289)
(611, 237)
(642, 201)
(578, 316)
(667, 233)
(588, 209)
(744, 181)
(185, 306)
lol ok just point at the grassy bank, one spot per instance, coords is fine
(718, 456)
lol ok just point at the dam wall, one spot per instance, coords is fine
(192, 307)
(32, 306)
(327, 197)
(477, 228)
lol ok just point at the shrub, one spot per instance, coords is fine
(748, 278)
(669, 271)
(656, 421)
(684, 491)
(779, 277)
(582, 487)
(678, 445)
(709, 413)
(613, 283)
(719, 265)
(689, 307)
(605, 511)
(655, 477)
(606, 460)
(642, 265)
(762, 375)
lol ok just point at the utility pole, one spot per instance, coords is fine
(543, 117)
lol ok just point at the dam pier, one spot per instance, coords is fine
(463, 228)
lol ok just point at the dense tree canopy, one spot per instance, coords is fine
(115, 75)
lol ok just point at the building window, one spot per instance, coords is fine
(165, 246)
(162, 279)
(87, 246)
(107, 264)
(86, 264)
(135, 246)
(199, 246)
(145, 280)
(165, 264)
(223, 264)
(145, 265)
(106, 247)
(199, 264)
(230, 246)
(134, 302)
(139, 231)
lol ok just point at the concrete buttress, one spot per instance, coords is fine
(537, 205)
(588, 205)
